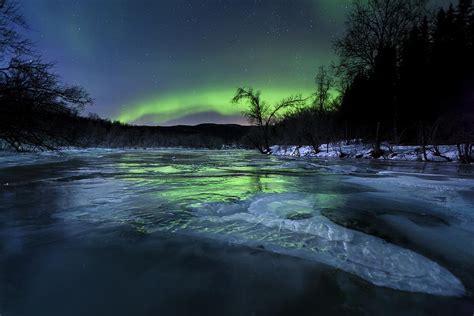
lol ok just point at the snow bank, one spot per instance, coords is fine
(360, 150)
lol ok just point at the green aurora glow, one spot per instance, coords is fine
(179, 104)
(184, 58)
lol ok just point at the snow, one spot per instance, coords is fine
(359, 150)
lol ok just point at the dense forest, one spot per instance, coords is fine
(405, 75)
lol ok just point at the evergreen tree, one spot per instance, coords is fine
(413, 85)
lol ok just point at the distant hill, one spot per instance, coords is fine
(227, 132)
(99, 132)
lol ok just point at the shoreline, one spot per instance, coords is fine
(357, 151)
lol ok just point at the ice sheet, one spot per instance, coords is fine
(272, 220)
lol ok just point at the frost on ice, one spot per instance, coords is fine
(289, 223)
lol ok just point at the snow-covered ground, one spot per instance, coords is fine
(364, 151)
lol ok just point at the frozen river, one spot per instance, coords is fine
(177, 232)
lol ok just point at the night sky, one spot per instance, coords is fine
(179, 62)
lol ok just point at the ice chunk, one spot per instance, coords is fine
(267, 221)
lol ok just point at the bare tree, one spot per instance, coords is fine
(324, 83)
(36, 109)
(262, 115)
(11, 42)
(371, 26)
(318, 119)
(371, 46)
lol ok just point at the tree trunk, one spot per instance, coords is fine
(313, 142)
(346, 132)
(377, 150)
(396, 139)
(423, 142)
(470, 152)
(465, 152)
(266, 139)
(460, 154)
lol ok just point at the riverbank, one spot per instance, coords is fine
(354, 150)
(444, 153)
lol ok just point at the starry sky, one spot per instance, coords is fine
(166, 62)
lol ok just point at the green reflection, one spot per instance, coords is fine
(203, 184)
(206, 178)
(189, 191)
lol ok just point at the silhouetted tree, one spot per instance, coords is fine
(324, 84)
(11, 42)
(369, 54)
(37, 111)
(371, 27)
(263, 115)
(414, 85)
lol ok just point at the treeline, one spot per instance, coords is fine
(405, 76)
(96, 132)
(45, 130)
(420, 89)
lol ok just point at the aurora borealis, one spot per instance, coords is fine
(172, 107)
(176, 61)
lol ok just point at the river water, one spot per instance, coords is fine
(177, 232)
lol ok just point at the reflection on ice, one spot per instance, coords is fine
(293, 224)
(265, 220)
(286, 206)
